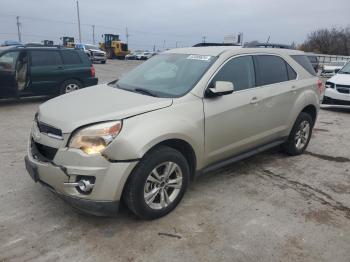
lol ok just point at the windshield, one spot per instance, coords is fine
(167, 75)
(345, 69)
(91, 47)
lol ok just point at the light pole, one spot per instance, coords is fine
(79, 21)
(18, 29)
(93, 34)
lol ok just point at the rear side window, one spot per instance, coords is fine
(304, 62)
(239, 71)
(291, 73)
(70, 58)
(46, 58)
(270, 70)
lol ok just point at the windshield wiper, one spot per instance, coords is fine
(145, 91)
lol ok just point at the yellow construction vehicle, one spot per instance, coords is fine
(114, 47)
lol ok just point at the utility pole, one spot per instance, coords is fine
(93, 34)
(127, 35)
(79, 21)
(164, 45)
(204, 38)
(18, 29)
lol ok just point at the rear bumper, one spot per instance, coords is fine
(91, 81)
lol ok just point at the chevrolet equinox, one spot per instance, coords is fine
(184, 112)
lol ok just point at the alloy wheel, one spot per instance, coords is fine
(302, 135)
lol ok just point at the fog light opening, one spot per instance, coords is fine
(85, 184)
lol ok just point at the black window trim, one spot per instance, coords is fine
(254, 63)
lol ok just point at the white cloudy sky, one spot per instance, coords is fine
(181, 22)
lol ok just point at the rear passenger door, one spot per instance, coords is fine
(276, 82)
(46, 71)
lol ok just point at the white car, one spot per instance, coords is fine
(144, 55)
(332, 68)
(338, 87)
(93, 52)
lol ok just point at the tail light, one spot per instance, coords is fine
(92, 71)
(320, 86)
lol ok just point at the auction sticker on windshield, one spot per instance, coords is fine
(199, 57)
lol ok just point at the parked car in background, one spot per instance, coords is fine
(28, 71)
(184, 112)
(144, 55)
(338, 87)
(131, 56)
(93, 52)
(332, 68)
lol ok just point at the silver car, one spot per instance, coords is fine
(182, 113)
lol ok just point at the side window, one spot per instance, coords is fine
(8, 61)
(46, 58)
(71, 57)
(291, 73)
(270, 70)
(239, 71)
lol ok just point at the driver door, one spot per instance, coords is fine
(234, 123)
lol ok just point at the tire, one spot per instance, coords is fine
(70, 86)
(144, 180)
(103, 62)
(300, 135)
(109, 53)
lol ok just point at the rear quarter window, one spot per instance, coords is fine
(305, 63)
(71, 57)
(45, 58)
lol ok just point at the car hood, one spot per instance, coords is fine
(97, 51)
(340, 79)
(96, 104)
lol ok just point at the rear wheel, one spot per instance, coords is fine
(69, 86)
(157, 184)
(300, 135)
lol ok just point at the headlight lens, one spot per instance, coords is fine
(95, 138)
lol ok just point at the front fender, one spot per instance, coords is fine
(183, 120)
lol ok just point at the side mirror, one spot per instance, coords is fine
(220, 88)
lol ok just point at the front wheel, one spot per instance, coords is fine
(300, 135)
(158, 183)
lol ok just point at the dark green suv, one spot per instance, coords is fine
(28, 71)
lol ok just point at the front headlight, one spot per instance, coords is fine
(95, 138)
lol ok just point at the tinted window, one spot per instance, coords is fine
(8, 61)
(270, 69)
(239, 71)
(291, 73)
(304, 62)
(70, 57)
(46, 58)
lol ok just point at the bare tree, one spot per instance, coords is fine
(334, 41)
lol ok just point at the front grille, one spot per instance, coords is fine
(99, 54)
(344, 89)
(46, 129)
(42, 152)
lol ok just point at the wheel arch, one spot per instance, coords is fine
(312, 111)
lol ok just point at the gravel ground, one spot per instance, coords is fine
(269, 207)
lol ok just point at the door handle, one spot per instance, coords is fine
(254, 100)
(293, 89)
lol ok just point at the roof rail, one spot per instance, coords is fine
(270, 45)
(215, 44)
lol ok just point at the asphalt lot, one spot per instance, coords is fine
(269, 207)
